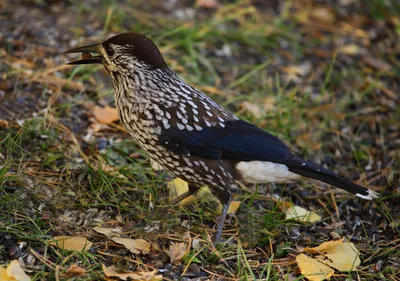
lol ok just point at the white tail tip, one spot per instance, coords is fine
(371, 195)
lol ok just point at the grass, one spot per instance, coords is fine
(337, 109)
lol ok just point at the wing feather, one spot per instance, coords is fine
(237, 140)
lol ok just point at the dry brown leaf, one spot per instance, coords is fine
(296, 72)
(255, 109)
(110, 271)
(72, 243)
(135, 246)
(300, 214)
(208, 4)
(323, 14)
(312, 269)
(75, 270)
(13, 272)
(177, 251)
(339, 255)
(109, 232)
(3, 123)
(105, 115)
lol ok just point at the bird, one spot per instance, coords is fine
(191, 135)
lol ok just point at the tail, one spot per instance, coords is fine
(310, 170)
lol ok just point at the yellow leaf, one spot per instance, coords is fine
(234, 206)
(133, 276)
(176, 188)
(313, 269)
(105, 115)
(13, 272)
(177, 251)
(109, 232)
(135, 246)
(301, 214)
(339, 255)
(72, 243)
(324, 246)
(350, 49)
(155, 166)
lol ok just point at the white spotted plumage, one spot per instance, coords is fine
(186, 132)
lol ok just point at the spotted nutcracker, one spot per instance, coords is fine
(191, 135)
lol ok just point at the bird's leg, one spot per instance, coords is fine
(225, 197)
(192, 190)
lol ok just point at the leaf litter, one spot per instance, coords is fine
(13, 272)
(71, 243)
(330, 255)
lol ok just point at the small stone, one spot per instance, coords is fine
(159, 265)
(194, 268)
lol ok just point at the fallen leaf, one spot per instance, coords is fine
(323, 14)
(178, 187)
(324, 246)
(312, 269)
(208, 4)
(3, 123)
(300, 214)
(233, 207)
(177, 251)
(72, 243)
(75, 270)
(3, 274)
(339, 255)
(109, 232)
(254, 108)
(105, 115)
(135, 246)
(155, 166)
(259, 108)
(296, 72)
(351, 49)
(110, 271)
(13, 272)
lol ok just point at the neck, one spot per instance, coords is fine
(148, 85)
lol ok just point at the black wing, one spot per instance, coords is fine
(238, 140)
(242, 141)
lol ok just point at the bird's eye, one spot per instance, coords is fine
(110, 51)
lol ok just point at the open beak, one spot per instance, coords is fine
(88, 59)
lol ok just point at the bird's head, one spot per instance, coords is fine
(126, 52)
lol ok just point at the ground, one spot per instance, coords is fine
(321, 75)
